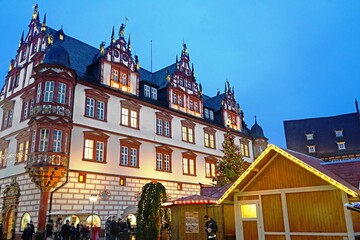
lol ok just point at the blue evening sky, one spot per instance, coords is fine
(286, 59)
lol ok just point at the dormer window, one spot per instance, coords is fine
(119, 79)
(181, 82)
(115, 75)
(150, 92)
(309, 136)
(341, 145)
(154, 93)
(339, 133)
(311, 148)
(147, 91)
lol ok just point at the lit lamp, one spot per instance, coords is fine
(93, 198)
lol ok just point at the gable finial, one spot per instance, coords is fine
(122, 31)
(36, 12)
(102, 48)
(255, 119)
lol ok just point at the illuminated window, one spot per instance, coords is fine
(189, 163)
(244, 146)
(130, 114)
(187, 131)
(122, 181)
(311, 148)
(95, 145)
(115, 75)
(210, 163)
(248, 211)
(174, 98)
(124, 79)
(209, 137)
(341, 145)
(129, 155)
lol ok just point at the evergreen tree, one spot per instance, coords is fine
(230, 167)
(151, 217)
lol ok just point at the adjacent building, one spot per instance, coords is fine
(328, 138)
(78, 121)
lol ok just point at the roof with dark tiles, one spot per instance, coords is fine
(349, 170)
(324, 135)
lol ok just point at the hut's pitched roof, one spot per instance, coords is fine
(309, 163)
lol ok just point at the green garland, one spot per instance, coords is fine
(151, 217)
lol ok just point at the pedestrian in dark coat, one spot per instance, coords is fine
(32, 230)
(27, 232)
(66, 230)
(49, 229)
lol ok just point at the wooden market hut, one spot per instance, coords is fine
(289, 195)
(187, 215)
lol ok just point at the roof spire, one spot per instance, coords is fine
(112, 36)
(43, 25)
(357, 106)
(255, 119)
(129, 44)
(21, 39)
(177, 62)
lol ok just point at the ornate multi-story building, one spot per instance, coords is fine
(80, 121)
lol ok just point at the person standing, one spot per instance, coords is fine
(210, 227)
(107, 228)
(49, 229)
(114, 230)
(26, 233)
(66, 230)
(32, 230)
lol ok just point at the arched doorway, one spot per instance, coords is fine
(9, 223)
(9, 211)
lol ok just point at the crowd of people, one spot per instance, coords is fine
(66, 231)
(113, 228)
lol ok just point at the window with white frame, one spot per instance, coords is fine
(341, 145)
(44, 140)
(163, 159)
(339, 133)
(154, 93)
(95, 145)
(96, 104)
(147, 91)
(163, 124)
(61, 94)
(311, 148)
(57, 140)
(130, 114)
(129, 154)
(309, 136)
(49, 91)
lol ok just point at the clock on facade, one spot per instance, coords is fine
(105, 195)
